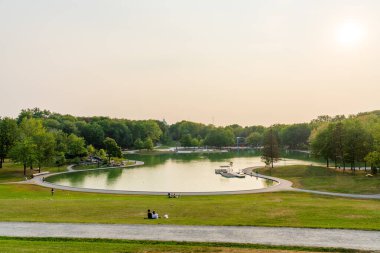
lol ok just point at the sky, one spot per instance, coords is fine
(218, 62)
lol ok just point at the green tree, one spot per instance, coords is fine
(8, 137)
(255, 139)
(45, 147)
(186, 140)
(296, 136)
(270, 152)
(91, 150)
(321, 143)
(111, 148)
(220, 137)
(102, 154)
(152, 130)
(337, 136)
(357, 142)
(148, 143)
(23, 152)
(76, 146)
(373, 159)
(93, 134)
(138, 144)
(29, 129)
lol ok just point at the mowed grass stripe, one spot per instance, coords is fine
(14, 244)
(289, 209)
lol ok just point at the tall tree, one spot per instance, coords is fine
(373, 159)
(93, 134)
(357, 142)
(139, 144)
(148, 143)
(45, 147)
(29, 129)
(23, 152)
(186, 140)
(271, 152)
(337, 136)
(255, 139)
(8, 137)
(296, 136)
(321, 143)
(112, 149)
(220, 137)
(76, 146)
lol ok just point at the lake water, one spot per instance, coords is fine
(175, 173)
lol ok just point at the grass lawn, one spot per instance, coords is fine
(290, 209)
(9, 245)
(326, 179)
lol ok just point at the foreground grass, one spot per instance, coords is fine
(9, 245)
(290, 209)
(326, 179)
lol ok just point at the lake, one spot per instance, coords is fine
(177, 173)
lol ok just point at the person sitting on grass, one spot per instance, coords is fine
(154, 215)
(149, 214)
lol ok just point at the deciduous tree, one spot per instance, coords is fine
(111, 148)
(270, 152)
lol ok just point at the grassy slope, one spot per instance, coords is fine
(326, 179)
(8, 245)
(33, 203)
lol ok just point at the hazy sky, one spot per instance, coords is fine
(211, 61)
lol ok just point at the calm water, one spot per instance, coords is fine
(174, 173)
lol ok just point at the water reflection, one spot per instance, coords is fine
(174, 173)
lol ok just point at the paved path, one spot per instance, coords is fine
(351, 239)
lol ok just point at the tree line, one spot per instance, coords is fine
(351, 142)
(54, 138)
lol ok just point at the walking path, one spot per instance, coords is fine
(339, 238)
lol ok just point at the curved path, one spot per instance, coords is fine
(337, 238)
(282, 185)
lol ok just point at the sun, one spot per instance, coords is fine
(350, 33)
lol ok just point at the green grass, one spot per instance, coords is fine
(326, 179)
(11, 244)
(289, 209)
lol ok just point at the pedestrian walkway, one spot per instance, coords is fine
(337, 238)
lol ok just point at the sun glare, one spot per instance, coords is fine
(350, 33)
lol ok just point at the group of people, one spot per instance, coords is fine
(172, 195)
(152, 215)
